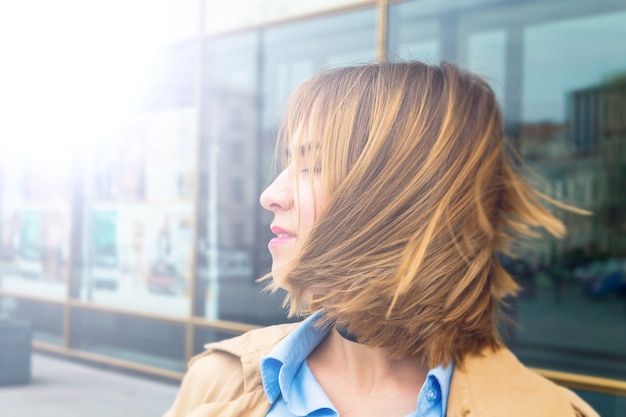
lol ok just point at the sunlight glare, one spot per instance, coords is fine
(73, 70)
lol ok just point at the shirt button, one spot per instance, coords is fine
(431, 395)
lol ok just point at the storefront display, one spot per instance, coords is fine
(138, 215)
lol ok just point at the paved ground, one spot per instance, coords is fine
(60, 387)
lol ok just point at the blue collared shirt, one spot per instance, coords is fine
(293, 391)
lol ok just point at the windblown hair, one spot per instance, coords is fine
(421, 197)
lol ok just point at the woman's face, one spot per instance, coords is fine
(294, 197)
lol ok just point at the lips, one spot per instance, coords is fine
(281, 233)
(282, 236)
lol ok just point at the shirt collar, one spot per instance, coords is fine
(280, 366)
(443, 376)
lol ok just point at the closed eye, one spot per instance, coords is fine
(307, 170)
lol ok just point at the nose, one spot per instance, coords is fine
(278, 196)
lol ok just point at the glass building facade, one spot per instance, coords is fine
(142, 240)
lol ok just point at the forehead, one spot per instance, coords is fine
(301, 145)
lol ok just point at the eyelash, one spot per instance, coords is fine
(316, 170)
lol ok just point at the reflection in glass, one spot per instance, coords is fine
(572, 133)
(293, 53)
(227, 201)
(205, 336)
(46, 319)
(486, 56)
(412, 41)
(560, 76)
(249, 78)
(605, 404)
(147, 341)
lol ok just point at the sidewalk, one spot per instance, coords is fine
(62, 388)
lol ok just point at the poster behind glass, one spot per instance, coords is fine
(138, 215)
(35, 225)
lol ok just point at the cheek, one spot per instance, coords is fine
(311, 202)
(307, 220)
(310, 211)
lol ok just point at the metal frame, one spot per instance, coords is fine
(192, 322)
(107, 360)
(381, 29)
(220, 325)
(199, 94)
(585, 382)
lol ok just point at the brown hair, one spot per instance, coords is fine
(421, 196)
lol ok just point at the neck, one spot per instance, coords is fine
(343, 332)
(365, 367)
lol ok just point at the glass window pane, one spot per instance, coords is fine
(35, 225)
(590, 53)
(412, 41)
(138, 190)
(45, 318)
(135, 339)
(204, 336)
(605, 404)
(560, 75)
(486, 56)
(229, 184)
(293, 53)
(102, 147)
(249, 76)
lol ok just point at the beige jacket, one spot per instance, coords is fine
(225, 380)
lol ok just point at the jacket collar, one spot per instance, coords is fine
(251, 347)
(490, 384)
(494, 383)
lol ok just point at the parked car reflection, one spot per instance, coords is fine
(602, 278)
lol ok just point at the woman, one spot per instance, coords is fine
(395, 198)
